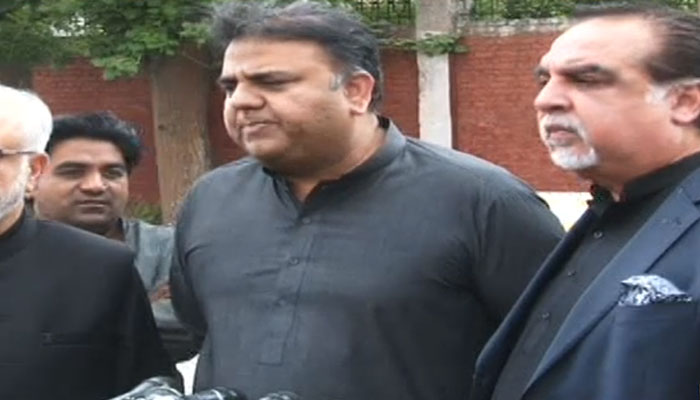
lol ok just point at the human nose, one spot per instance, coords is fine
(244, 96)
(552, 98)
(93, 182)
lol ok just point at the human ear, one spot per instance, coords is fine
(685, 105)
(37, 165)
(358, 90)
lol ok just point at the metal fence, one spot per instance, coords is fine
(518, 9)
(400, 12)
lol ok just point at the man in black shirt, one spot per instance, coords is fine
(86, 185)
(342, 260)
(613, 312)
(75, 322)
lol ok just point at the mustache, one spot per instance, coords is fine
(557, 122)
(244, 123)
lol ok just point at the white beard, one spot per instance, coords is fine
(568, 159)
(15, 194)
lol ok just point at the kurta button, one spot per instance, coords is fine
(598, 234)
(306, 220)
(571, 272)
(294, 261)
(545, 315)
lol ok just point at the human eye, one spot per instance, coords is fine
(541, 76)
(541, 79)
(114, 173)
(228, 86)
(70, 172)
(588, 79)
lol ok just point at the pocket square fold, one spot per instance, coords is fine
(640, 290)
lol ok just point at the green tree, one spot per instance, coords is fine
(162, 38)
(30, 34)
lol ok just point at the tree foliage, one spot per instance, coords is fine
(519, 9)
(117, 35)
(33, 32)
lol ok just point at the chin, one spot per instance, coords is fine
(98, 226)
(570, 160)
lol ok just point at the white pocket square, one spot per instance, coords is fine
(640, 290)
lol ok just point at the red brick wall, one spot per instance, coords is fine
(80, 88)
(493, 89)
(492, 92)
(401, 90)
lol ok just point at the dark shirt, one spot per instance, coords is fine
(75, 323)
(611, 228)
(383, 284)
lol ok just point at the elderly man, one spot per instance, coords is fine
(75, 318)
(613, 312)
(86, 184)
(342, 260)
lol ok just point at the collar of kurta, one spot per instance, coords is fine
(18, 236)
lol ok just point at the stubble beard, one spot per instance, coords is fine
(15, 195)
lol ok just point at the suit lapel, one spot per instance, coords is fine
(664, 227)
(496, 351)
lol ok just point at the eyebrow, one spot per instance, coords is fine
(256, 76)
(77, 164)
(605, 73)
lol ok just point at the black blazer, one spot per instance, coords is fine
(604, 351)
(75, 322)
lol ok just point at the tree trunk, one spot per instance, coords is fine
(180, 90)
(16, 75)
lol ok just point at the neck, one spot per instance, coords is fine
(363, 147)
(10, 219)
(615, 181)
(115, 232)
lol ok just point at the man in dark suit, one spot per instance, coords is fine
(613, 312)
(75, 322)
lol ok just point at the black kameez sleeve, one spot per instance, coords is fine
(517, 233)
(141, 352)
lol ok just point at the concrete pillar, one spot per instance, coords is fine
(434, 106)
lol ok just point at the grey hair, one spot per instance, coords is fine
(33, 115)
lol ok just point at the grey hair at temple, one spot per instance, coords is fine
(32, 114)
(349, 41)
(678, 56)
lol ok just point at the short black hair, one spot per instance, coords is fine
(678, 56)
(340, 31)
(103, 126)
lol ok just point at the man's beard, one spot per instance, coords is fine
(567, 157)
(14, 196)
(571, 160)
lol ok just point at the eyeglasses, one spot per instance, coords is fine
(4, 153)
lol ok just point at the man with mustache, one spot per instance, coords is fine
(86, 184)
(613, 312)
(342, 260)
(74, 318)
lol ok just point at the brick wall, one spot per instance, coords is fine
(493, 89)
(80, 88)
(492, 92)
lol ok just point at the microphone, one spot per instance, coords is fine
(145, 387)
(282, 395)
(217, 393)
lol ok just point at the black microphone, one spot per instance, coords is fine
(283, 395)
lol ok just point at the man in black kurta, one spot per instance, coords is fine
(75, 322)
(342, 260)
